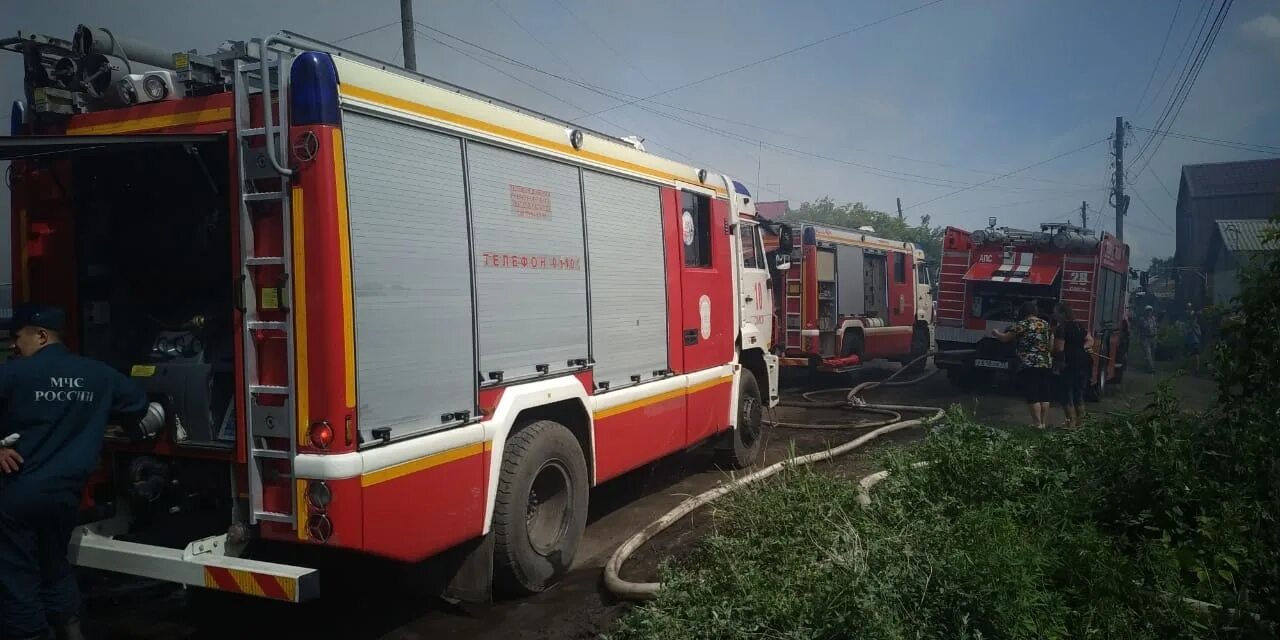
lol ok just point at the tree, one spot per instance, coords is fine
(856, 214)
(1162, 266)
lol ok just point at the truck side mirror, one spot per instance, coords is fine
(785, 244)
(782, 261)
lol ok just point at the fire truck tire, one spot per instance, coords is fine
(741, 446)
(541, 508)
(919, 347)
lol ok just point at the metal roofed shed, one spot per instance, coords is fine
(1207, 193)
(1233, 244)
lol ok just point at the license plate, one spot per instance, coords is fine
(991, 364)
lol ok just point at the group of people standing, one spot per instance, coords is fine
(1054, 353)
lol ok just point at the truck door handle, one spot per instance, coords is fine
(750, 299)
(690, 337)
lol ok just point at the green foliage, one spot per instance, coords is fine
(854, 215)
(1162, 266)
(1089, 534)
(1154, 524)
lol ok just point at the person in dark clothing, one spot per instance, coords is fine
(1073, 342)
(57, 405)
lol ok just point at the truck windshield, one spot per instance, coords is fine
(1003, 302)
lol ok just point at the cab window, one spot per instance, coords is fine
(922, 273)
(752, 258)
(695, 228)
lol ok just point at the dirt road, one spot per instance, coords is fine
(358, 605)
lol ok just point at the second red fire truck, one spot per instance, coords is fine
(851, 297)
(986, 275)
(375, 312)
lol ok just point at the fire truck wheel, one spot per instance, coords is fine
(741, 446)
(541, 508)
(919, 347)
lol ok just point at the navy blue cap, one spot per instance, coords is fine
(37, 315)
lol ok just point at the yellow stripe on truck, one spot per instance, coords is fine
(422, 464)
(299, 274)
(375, 97)
(203, 116)
(344, 260)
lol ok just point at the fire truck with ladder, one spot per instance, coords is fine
(373, 311)
(987, 275)
(851, 298)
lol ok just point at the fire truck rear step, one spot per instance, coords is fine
(204, 563)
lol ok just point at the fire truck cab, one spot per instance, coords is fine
(851, 297)
(986, 276)
(374, 311)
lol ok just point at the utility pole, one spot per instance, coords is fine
(1119, 200)
(899, 208)
(1084, 215)
(406, 35)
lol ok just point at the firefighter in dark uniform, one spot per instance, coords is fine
(57, 404)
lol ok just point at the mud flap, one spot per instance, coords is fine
(469, 572)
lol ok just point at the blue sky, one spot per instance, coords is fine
(955, 93)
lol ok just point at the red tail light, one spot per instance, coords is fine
(320, 434)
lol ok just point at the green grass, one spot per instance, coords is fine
(1066, 535)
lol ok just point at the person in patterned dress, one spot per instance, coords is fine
(1034, 344)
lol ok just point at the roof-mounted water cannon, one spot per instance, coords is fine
(98, 69)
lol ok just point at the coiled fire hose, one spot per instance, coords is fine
(647, 590)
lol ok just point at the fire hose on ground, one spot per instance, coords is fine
(628, 590)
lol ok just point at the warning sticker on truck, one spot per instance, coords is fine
(531, 203)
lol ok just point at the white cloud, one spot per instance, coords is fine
(1263, 27)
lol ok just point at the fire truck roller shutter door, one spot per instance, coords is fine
(849, 295)
(531, 273)
(414, 344)
(628, 285)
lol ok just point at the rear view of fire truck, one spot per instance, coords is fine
(987, 276)
(853, 298)
(375, 311)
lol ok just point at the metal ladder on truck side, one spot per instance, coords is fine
(258, 165)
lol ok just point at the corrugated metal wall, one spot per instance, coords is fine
(531, 276)
(849, 295)
(410, 263)
(628, 288)
(420, 350)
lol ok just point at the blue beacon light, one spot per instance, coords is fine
(313, 84)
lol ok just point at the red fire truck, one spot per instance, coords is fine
(377, 312)
(851, 298)
(988, 274)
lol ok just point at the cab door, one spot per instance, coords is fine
(755, 290)
(924, 290)
(707, 268)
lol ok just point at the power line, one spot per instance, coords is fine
(535, 38)
(1186, 44)
(582, 21)
(999, 177)
(612, 94)
(770, 58)
(1153, 212)
(1183, 90)
(1160, 56)
(1229, 144)
(367, 32)
(551, 95)
(1205, 49)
